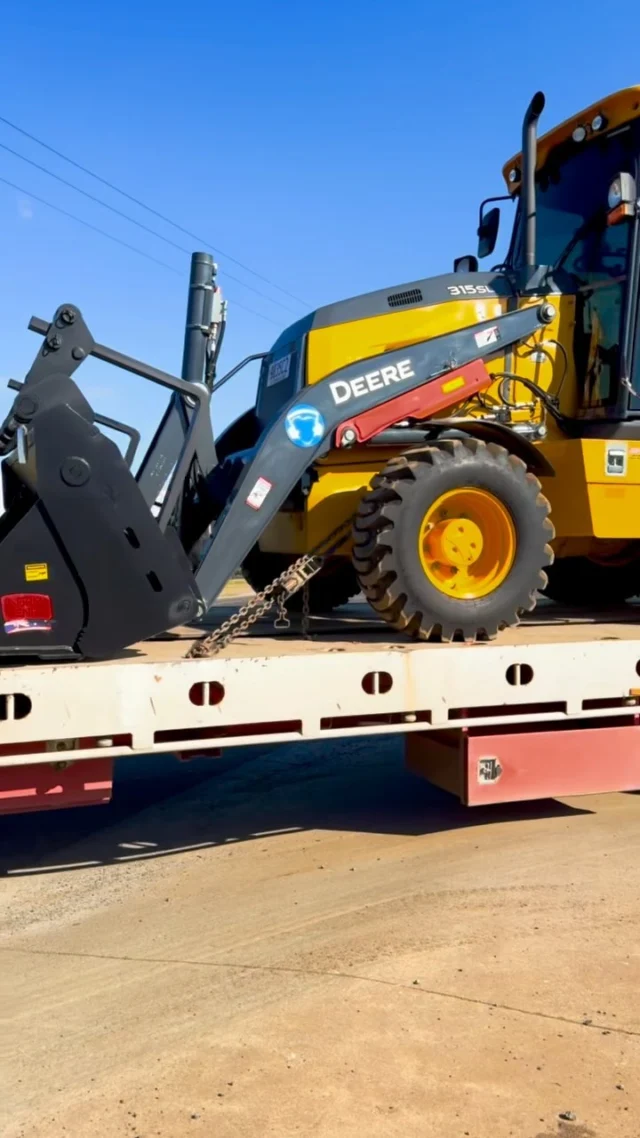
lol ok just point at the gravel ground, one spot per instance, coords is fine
(308, 941)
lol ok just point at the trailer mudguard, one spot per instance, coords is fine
(306, 427)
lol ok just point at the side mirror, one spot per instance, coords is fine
(467, 264)
(488, 231)
(621, 201)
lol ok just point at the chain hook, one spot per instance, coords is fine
(290, 581)
(282, 621)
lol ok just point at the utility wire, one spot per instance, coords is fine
(134, 221)
(88, 224)
(119, 241)
(149, 209)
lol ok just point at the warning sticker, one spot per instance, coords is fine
(259, 492)
(487, 336)
(38, 571)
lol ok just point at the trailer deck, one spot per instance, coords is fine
(350, 678)
(567, 674)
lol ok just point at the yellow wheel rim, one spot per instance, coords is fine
(467, 543)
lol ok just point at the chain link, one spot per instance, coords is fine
(306, 612)
(278, 592)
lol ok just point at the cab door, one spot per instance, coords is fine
(600, 262)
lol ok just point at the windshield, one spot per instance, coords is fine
(571, 202)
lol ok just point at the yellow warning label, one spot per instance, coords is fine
(39, 571)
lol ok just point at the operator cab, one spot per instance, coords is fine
(586, 245)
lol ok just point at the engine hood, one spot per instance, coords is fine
(349, 330)
(416, 294)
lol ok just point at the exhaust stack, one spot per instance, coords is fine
(528, 193)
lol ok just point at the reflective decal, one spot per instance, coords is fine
(13, 626)
(452, 385)
(26, 612)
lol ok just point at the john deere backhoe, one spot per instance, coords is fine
(458, 484)
(451, 446)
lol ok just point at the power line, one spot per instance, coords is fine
(88, 224)
(149, 209)
(134, 221)
(119, 241)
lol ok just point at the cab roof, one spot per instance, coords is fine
(617, 109)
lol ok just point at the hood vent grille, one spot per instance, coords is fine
(411, 296)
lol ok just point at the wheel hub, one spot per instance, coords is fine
(456, 543)
(467, 543)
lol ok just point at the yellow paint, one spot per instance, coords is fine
(619, 108)
(541, 361)
(38, 571)
(343, 476)
(331, 501)
(467, 543)
(332, 348)
(585, 500)
(588, 503)
(591, 506)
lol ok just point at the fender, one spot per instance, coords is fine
(500, 433)
(306, 426)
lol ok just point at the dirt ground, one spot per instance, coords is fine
(309, 941)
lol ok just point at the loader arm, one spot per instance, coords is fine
(307, 426)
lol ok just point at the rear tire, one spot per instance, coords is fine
(401, 581)
(334, 585)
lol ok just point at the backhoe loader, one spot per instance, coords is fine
(451, 447)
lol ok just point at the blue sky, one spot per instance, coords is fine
(333, 147)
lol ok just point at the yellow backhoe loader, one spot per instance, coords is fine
(473, 495)
(472, 439)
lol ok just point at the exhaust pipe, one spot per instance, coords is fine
(199, 313)
(528, 193)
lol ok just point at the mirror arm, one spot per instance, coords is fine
(488, 201)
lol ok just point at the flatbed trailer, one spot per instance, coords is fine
(550, 708)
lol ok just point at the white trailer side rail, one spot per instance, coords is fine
(263, 690)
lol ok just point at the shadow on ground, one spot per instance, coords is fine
(162, 806)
